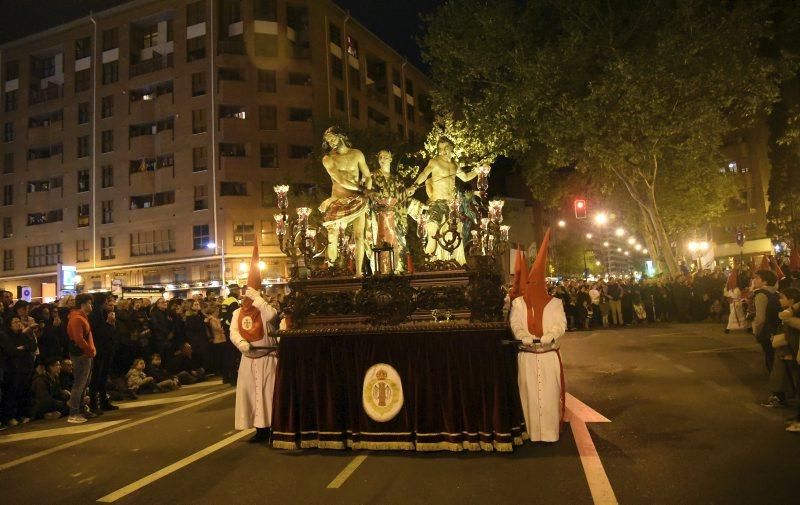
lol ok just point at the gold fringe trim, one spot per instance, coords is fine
(289, 446)
(381, 446)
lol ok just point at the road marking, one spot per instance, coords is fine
(660, 356)
(188, 460)
(37, 455)
(683, 368)
(666, 334)
(161, 401)
(716, 386)
(726, 349)
(217, 382)
(58, 432)
(578, 414)
(347, 472)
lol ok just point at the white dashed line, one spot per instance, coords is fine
(347, 472)
(684, 369)
(660, 356)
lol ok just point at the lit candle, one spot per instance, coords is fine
(311, 233)
(483, 177)
(283, 201)
(280, 224)
(484, 223)
(504, 232)
(421, 224)
(490, 244)
(302, 215)
(496, 211)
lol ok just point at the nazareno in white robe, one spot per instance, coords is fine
(256, 380)
(737, 319)
(539, 375)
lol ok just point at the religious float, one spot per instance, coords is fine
(404, 357)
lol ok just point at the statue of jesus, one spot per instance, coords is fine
(347, 204)
(439, 177)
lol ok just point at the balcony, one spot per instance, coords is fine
(142, 111)
(232, 46)
(49, 134)
(157, 62)
(143, 145)
(51, 92)
(233, 91)
(234, 129)
(237, 167)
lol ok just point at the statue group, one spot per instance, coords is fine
(373, 206)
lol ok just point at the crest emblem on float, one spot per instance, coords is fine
(247, 323)
(383, 393)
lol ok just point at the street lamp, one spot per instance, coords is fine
(620, 232)
(601, 218)
(644, 251)
(589, 236)
(697, 249)
(631, 240)
(638, 247)
(213, 247)
(605, 244)
(262, 266)
(562, 223)
(243, 267)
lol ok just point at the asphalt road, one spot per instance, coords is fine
(686, 427)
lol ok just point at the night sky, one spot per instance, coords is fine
(395, 21)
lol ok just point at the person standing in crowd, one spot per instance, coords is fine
(18, 344)
(615, 302)
(48, 398)
(231, 356)
(737, 317)
(219, 342)
(82, 353)
(161, 330)
(197, 332)
(766, 320)
(103, 322)
(250, 327)
(790, 317)
(538, 320)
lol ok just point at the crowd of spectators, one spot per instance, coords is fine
(78, 356)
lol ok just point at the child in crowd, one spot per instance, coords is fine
(605, 309)
(162, 379)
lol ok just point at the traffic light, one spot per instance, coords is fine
(580, 209)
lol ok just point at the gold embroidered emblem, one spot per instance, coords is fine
(247, 323)
(382, 393)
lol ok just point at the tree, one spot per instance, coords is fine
(637, 95)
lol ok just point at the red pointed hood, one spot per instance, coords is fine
(254, 277)
(536, 296)
(773, 261)
(520, 275)
(732, 279)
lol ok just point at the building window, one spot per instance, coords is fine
(83, 48)
(195, 13)
(53, 216)
(107, 141)
(233, 189)
(339, 100)
(8, 163)
(299, 79)
(355, 108)
(355, 78)
(230, 150)
(44, 255)
(196, 48)
(8, 195)
(267, 194)
(8, 260)
(268, 236)
(110, 72)
(152, 200)
(83, 215)
(201, 197)
(267, 81)
(198, 83)
(398, 105)
(10, 101)
(83, 146)
(337, 67)
(81, 251)
(84, 183)
(265, 10)
(83, 80)
(244, 234)
(12, 70)
(335, 34)
(83, 113)
(200, 236)
(107, 176)
(297, 114)
(107, 106)
(108, 211)
(231, 74)
(8, 132)
(299, 152)
(8, 227)
(107, 248)
(199, 121)
(269, 156)
(199, 159)
(110, 39)
(146, 243)
(267, 117)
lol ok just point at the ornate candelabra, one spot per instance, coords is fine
(297, 240)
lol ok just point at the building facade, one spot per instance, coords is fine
(141, 144)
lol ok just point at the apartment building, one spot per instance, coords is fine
(137, 138)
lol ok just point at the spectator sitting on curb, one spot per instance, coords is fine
(160, 376)
(48, 398)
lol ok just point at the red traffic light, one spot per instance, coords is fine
(580, 209)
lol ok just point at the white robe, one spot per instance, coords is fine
(256, 381)
(540, 374)
(737, 319)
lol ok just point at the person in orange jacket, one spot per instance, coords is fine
(82, 351)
